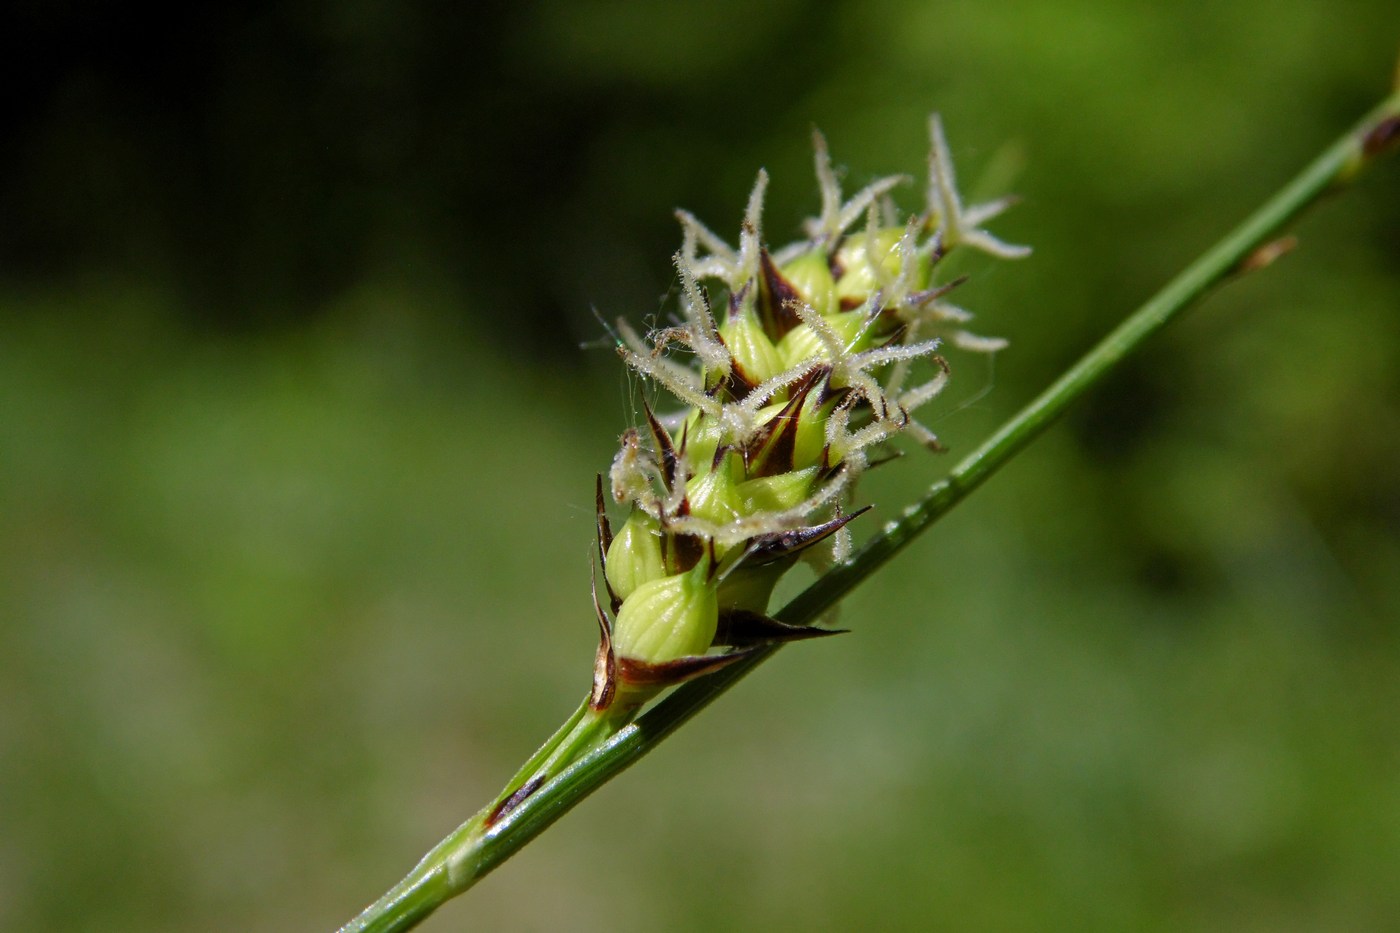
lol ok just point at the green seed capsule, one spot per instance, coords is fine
(776, 493)
(751, 588)
(809, 446)
(858, 258)
(701, 433)
(669, 618)
(634, 557)
(713, 495)
(811, 276)
(753, 353)
(801, 343)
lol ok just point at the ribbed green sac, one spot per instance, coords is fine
(806, 369)
(668, 618)
(811, 275)
(634, 557)
(754, 353)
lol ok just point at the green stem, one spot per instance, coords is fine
(455, 863)
(593, 749)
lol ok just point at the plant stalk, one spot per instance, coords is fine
(590, 749)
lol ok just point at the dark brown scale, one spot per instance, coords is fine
(680, 552)
(742, 628)
(685, 437)
(661, 438)
(645, 674)
(766, 549)
(513, 801)
(605, 535)
(770, 453)
(605, 663)
(833, 263)
(828, 393)
(605, 538)
(777, 297)
(1381, 137)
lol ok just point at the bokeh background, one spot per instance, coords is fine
(302, 394)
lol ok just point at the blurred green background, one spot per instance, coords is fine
(297, 444)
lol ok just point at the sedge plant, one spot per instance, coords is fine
(788, 373)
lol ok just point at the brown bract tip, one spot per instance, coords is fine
(742, 628)
(670, 673)
(604, 529)
(770, 453)
(769, 548)
(1268, 254)
(514, 800)
(665, 450)
(776, 299)
(1384, 135)
(605, 662)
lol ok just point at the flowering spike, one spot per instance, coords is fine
(788, 401)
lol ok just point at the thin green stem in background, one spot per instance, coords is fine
(475, 848)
